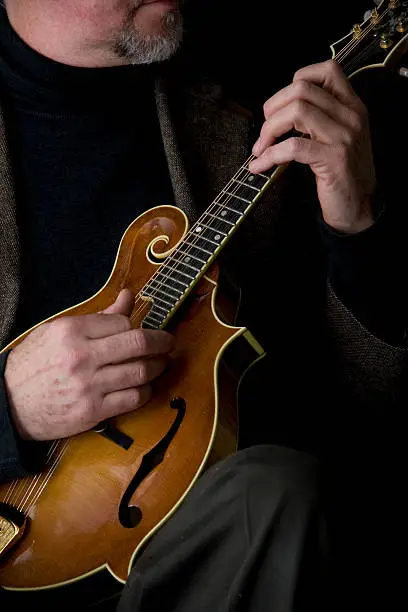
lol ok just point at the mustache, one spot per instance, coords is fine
(136, 4)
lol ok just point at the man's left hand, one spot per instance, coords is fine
(321, 103)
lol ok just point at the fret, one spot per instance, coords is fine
(203, 241)
(178, 270)
(153, 316)
(179, 258)
(234, 195)
(188, 254)
(160, 289)
(224, 199)
(246, 185)
(218, 225)
(257, 180)
(175, 280)
(156, 294)
(157, 307)
(200, 231)
(146, 323)
(238, 212)
(196, 246)
(230, 215)
(215, 230)
(157, 299)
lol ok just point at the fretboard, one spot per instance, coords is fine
(175, 278)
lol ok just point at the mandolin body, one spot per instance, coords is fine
(81, 522)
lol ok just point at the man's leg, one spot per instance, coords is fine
(249, 536)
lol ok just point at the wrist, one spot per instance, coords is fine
(353, 224)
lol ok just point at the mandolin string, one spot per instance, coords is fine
(36, 491)
(14, 484)
(18, 486)
(31, 502)
(34, 480)
(354, 63)
(32, 487)
(356, 41)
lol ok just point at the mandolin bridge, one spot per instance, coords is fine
(12, 525)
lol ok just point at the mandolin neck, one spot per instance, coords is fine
(181, 271)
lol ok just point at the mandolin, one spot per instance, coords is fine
(105, 492)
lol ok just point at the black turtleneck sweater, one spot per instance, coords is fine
(87, 159)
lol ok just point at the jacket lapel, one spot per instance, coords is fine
(9, 243)
(181, 187)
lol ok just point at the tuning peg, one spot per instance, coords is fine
(357, 30)
(402, 25)
(374, 15)
(385, 41)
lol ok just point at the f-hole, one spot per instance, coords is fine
(130, 516)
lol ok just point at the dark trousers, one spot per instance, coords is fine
(249, 536)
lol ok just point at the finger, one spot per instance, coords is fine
(104, 325)
(123, 305)
(132, 344)
(123, 401)
(330, 76)
(308, 92)
(303, 117)
(131, 374)
(302, 150)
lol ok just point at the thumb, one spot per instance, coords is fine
(123, 305)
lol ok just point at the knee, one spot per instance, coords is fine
(271, 473)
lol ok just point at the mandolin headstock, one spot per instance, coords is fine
(381, 40)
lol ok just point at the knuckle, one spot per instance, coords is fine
(342, 154)
(299, 109)
(76, 358)
(356, 120)
(141, 372)
(134, 398)
(85, 416)
(332, 67)
(124, 322)
(294, 145)
(138, 341)
(348, 139)
(300, 88)
(82, 388)
(65, 327)
(266, 108)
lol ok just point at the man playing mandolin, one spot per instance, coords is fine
(96, 128)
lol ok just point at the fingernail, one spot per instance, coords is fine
(256, 146)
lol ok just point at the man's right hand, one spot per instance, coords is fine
(70, 374)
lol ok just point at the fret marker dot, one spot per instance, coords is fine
(217, 236)
(198, 229)
(187, 259)
(224, 212)
(250, 178)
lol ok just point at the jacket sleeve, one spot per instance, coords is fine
(18, 458)
(366, 272)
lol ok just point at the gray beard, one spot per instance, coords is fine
(139, 48)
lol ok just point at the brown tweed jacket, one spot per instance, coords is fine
(205, 142)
